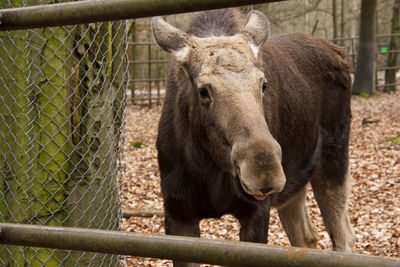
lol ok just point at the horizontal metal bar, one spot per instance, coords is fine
(148, 80)
(148, 61)
(129, 212)
(189, 249)
(145, 102)
(142, 43)
(388, 51)
(387, 84)
(387, 35)
(378, 36)
(70, 13)
(388, 68)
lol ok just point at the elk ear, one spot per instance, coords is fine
(170, 39)
(256, 28)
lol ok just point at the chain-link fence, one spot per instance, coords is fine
(62, 101)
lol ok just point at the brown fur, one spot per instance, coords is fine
(211, 166)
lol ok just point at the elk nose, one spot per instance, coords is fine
(266, 190)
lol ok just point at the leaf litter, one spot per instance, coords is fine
(374, 205)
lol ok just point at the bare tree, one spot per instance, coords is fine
(334, 19)
(364, 80)
(341, 21)
(392, 60)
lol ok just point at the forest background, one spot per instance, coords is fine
(334, 20)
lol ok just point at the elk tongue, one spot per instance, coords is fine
(260, 196)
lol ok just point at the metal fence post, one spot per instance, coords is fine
(149, 72)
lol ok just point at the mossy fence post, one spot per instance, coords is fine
(62, 100)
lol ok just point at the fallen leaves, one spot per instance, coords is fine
(374, 205)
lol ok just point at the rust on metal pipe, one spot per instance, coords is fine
(188, 249)
(70, 13)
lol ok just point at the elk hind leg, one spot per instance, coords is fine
(332, 199)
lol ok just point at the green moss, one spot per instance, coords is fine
(362, 94)
(52, 130)
(137, 144)
(394, 139)
(14, 127)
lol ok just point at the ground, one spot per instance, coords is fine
(374, 205)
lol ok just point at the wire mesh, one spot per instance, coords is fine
(62, 102)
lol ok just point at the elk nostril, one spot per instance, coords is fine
(266, 190)
(245, 187)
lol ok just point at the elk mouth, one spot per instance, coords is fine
(243, 188)
(260, 196)
(245, 191)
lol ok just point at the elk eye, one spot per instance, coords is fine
(203, 92)
(264, 86)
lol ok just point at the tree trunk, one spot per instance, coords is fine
(364, 80)
(53, 132)
(393, 57)
(18, 150)
(334, 20)
(60, 124)
(14, 134)
(96, 127)
(342, 22)
(119, 76)
(132, 68)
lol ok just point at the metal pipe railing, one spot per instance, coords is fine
(70, 13)
(180, 248)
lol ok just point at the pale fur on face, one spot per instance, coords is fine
(225, 67)
(177, 42)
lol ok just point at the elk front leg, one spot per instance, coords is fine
(295, 221)
(176, 227)
(254, 228)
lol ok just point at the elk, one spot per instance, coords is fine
(247, 122)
